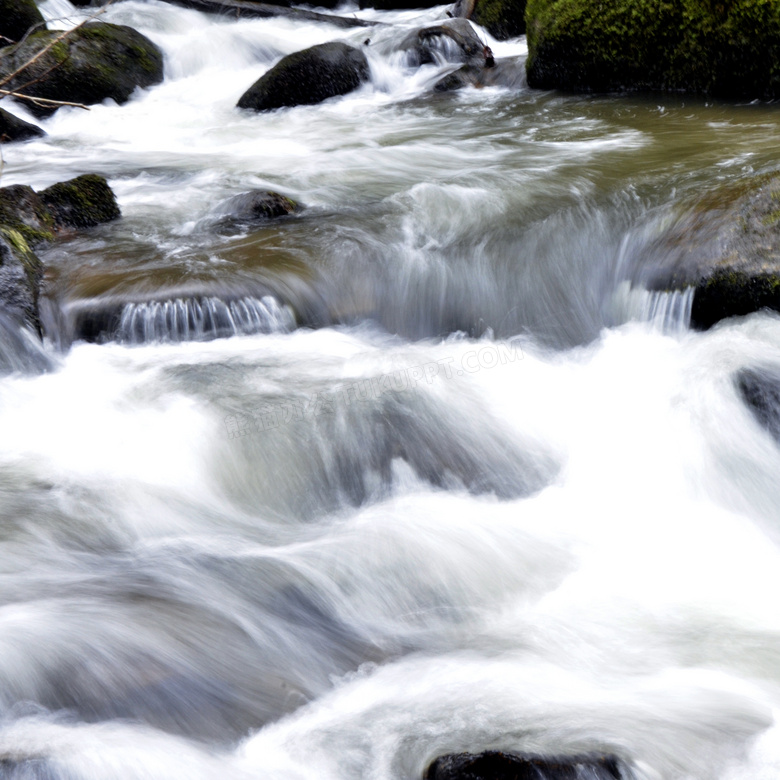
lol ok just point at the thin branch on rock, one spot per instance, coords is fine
(48, 47)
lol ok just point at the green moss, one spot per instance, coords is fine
(82, 202)
(729, 49)
(23, 212)
(501, 18)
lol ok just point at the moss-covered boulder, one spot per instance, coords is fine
(307, 77)
(16, 18)
(82, 202)
(96, 62)
(29, 219)
(22, 211)
(726, 245)
(725, 49)
(503, 19)
(14, 129)
(20, 278)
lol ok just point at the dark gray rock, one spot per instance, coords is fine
(16, 18)
(14, 129)
(95, 62)
(493, 765)
(760, 390)
(726, 245)
(307, 77)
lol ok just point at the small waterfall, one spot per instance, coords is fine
(201, 319)
(668, 310)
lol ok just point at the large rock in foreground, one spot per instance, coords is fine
(727, 246)
(493, 765)
(729, 49)
(95, 62)
(16, 18)
(307, 77)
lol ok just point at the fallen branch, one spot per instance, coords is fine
(39, 100)
(247, 9)
(11, 76)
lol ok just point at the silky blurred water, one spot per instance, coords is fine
(420, 469)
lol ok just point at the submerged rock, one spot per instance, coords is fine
(727, 246)
(503, 19)
(493, 765)
(721, 49)
(508, 72)
(82, 202)
(760, 390)
(96, 62)
(252, 207)
(307, 77)
(14, 129)
(16, 18)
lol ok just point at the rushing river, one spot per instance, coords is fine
(422, 469)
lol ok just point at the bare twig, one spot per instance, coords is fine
(39, 101)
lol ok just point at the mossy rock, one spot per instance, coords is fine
(725, 49)
(22, 211)
(20, 278)
(82, 202)
(14, 129)
(16, 18)
(503, 19)
(96, 62)
(725, 244)
(308, 77)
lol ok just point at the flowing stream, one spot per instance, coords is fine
(421, 469)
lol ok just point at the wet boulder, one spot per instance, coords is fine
(16, 18)
(503, 19)
(251, 208)
(14, 129)
(453, 40)
(727, 50)
(83, 202)
(397, 5)
(94, 63)
(726, 245)
(308, 77)
(494, 765)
